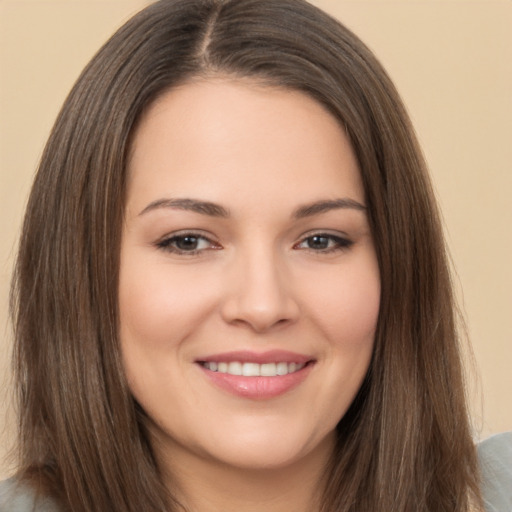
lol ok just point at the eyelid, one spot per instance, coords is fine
(343, 241)
(165, 242)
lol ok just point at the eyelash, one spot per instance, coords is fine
(337, 243)
(167, 243)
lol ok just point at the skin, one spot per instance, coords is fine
(254, 280)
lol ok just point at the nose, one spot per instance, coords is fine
(259, 294)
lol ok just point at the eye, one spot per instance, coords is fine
(324, 243)
(187, 243)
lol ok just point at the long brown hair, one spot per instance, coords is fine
(405, 443)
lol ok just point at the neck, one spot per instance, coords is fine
(206, 485)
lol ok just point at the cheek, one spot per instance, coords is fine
(159, 307)
(346, 304)
(347, 313)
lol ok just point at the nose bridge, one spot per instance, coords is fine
(261, 294)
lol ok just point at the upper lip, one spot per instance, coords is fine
(247, 356)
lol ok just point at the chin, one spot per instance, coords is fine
(272, 450)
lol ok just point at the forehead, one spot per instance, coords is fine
(234, 140)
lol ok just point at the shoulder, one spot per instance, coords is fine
(16, 497)
(495, 456)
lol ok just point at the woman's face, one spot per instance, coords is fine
(245, 250)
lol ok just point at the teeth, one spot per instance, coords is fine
(235, 368)
(254, 369)
(282, 369)
(251, 370)
(268, 369)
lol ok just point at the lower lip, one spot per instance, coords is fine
(258, 388)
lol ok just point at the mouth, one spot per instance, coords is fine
(258, 376)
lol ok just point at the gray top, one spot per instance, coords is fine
(15, 498)
(495, 455)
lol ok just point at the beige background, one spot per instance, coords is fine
(452, 62)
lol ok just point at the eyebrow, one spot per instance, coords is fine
(308, 210)
(193, 205)
(216, 210)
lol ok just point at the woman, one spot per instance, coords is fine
(231, 291)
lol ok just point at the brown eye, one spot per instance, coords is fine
(324, 242)
(186, 244)
(318, 242)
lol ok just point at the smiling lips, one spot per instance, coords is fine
(257, 376)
